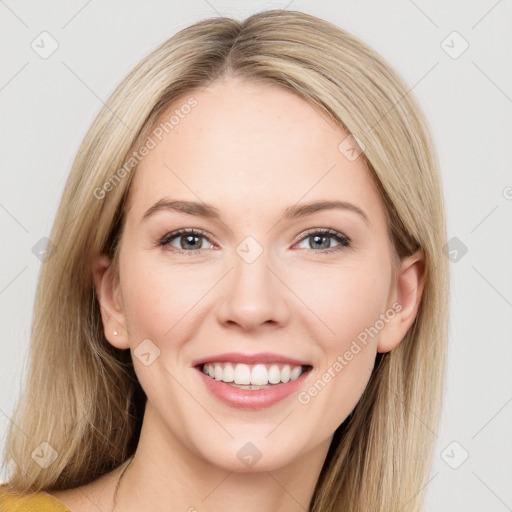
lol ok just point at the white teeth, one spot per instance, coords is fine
(228, 375)
(259, 375)
(295, 373)
(242, 374)
(274, 374)
(285, 373)
(252, 375)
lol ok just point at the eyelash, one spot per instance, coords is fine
(343, 240)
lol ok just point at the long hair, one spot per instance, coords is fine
(82, 396)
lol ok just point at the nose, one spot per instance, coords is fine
(253, 296)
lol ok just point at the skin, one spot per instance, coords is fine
(251, 150)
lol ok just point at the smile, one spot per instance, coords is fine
(251, 394)
(255, 376)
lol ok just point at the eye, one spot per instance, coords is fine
(322, 239)
(186, 241)
(190, 241)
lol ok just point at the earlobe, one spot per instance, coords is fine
(109, 299)
(407, 295)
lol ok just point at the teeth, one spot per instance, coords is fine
(242, 374)
(274, 374)
(228, 374)
(295, 373)
(259, 375)
(218, 372)
(252, 376)
(285, 373)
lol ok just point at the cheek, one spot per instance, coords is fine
(159, 298)
(343, 300)
(161, 302)
(349, 302)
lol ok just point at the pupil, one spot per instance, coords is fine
(189, 240)
(318, 238)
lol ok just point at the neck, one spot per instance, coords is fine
(165, 473)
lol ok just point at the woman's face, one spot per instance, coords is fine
(259, 274)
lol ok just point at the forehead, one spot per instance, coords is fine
(248, 146)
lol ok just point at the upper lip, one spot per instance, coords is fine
(261, 357)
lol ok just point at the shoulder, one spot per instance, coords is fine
(34, 502)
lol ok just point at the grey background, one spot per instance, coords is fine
(48, 104)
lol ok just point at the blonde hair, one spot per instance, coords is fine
(82, 395)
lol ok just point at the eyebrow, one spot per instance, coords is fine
(201, 209)
(298, 211)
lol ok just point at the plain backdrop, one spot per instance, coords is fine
(456, 58)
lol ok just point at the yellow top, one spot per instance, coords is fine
(35, 502)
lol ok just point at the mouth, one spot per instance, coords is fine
(253, 376)
(252, 382)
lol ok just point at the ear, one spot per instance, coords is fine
(109, 298)
(406, 294)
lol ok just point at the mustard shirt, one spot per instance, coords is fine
(35, 502)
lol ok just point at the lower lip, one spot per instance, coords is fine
(252, 399)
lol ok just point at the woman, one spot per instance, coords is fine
(247, 300)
